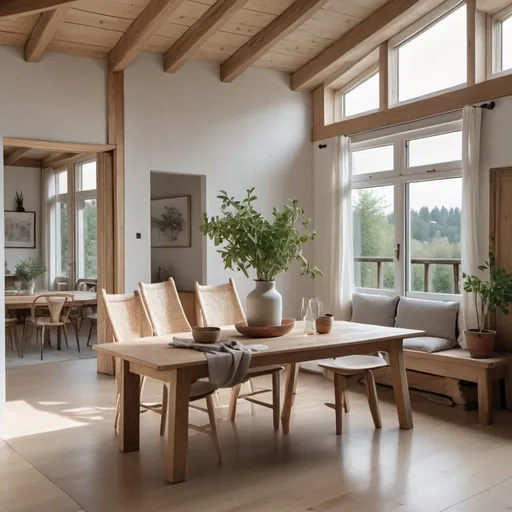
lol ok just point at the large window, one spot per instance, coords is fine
(361, 97)
(433, 59)
(501, 51)
(407, 221)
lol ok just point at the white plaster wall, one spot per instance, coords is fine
(252, 132)
(185, 264)
(28, 181)
(60, 98)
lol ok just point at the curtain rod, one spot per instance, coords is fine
(487, 106)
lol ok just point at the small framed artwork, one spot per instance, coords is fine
(20, 230)
(170, 222)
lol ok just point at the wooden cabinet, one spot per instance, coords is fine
(188, 301)
(501, 227)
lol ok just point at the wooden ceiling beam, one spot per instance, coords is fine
(52, 158)
(66, 159)
(268, 37)
(28, 162)
(43, 33)
(211, 21)
(15, 155)
(48, 145)
(304, 78)
(11, 8)
(154, 16)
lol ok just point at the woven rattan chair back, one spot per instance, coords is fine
(58, 305)
(164, 308)
(126, 315)
(219, 305)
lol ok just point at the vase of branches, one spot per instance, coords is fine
(27, 271)
(18, 198)
(490, 295)
(250, 241)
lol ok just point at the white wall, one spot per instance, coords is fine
(252, 132)
(185, 265)
(28, 181)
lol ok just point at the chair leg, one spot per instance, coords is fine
(65, 329)
(165, 400)
(41, 334)
(276, 398)
(338, 402)
(75, 326)
(48, 334)
(24, 341)
(346, 401)
(90, 333)
(11, 345)
(373, 401)
(13, 335)
(116, 420)
(235, 391)
(213, 426)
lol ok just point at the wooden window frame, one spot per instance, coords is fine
(494, 43)
(340, 94)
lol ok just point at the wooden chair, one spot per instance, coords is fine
(164, 308)
(93, 320)
(10, 329)
(350, 368)
(58, 306)
(219, 306)
(128, 317)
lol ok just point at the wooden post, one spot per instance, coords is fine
(380, 281)
(456, 281)
(426, 277)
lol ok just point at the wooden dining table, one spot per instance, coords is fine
(152, 357)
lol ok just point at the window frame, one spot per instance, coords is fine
(410, 33)
(494, 46)
(399, 178)
(363, 77)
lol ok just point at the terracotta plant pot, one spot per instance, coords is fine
(480, 344)
(324, 324)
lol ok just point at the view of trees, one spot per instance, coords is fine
(434, 234)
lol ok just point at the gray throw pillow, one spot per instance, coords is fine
(429, 344)
(374, 309)
(437, 318)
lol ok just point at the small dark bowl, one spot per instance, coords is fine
(206, 334)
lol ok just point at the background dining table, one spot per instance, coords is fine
(178, 368)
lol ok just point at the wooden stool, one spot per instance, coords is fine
(350, 368)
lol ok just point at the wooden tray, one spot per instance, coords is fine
(266, 331)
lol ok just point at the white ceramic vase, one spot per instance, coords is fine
(30, 286)
(264, 304)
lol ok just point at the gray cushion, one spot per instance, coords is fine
(437, 318)
(374, 309)
(429, 344)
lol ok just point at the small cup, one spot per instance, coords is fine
(324, 324)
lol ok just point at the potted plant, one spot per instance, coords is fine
(27, 271)
(490, 295)
(250, 241)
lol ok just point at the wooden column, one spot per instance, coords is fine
(476, 36)
(111, 243)
(324, 107)
(384, 76)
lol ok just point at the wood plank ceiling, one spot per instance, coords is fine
(92, 28)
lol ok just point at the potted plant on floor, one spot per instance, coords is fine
(250, 241)
(27, 271)
(490, 295)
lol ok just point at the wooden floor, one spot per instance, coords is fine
(60, 454)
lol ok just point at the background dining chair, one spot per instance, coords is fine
(350, 368)
(57, 306)
(129, 317)
(10, 329)
(220, 306)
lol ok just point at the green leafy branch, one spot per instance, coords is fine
(248, 240)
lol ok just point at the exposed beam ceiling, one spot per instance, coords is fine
(54, 158)
(24, 7)
(268, 37)
(48, 145)
(359, 41)
(154, 16)
(43, 32)
(200, 32)
(15, 155)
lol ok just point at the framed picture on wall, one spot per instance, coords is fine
(20, 230)
(170, 222)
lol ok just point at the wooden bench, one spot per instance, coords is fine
(458, 364)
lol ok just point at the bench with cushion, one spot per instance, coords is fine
(437, 352)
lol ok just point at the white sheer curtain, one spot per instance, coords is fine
(48, 203)
(341, 250)
(474, 243)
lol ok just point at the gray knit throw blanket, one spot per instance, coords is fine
(228, 361)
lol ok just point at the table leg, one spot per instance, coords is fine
(400, 384)
(484, 397)
(289, 393)
(129, 405)
(177, 421)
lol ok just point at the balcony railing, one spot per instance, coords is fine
(426, 262)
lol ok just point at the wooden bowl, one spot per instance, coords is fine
(266, 331)
(206, 334)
